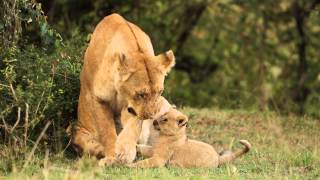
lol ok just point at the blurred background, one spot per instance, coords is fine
(231, 54)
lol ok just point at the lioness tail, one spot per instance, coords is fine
(226, 158)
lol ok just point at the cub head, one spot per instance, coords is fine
(140, 81)
(172, 123)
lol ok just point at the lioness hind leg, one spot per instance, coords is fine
(85, 143)
(96, 116)
(103, 117)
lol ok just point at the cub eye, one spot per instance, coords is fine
(161, 91)
(164, 120)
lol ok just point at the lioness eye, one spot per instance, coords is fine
(161, 91)
(141, 95)
(132, 111)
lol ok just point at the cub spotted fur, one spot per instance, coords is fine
(174, 148)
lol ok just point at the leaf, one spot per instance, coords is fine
(29, 20)
(275, 71)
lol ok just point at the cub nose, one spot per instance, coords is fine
(182, 122)
(156, 125)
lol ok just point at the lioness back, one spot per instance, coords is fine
(112, 35)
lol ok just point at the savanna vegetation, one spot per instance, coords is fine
(261, 57)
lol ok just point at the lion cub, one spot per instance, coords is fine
(174, 148)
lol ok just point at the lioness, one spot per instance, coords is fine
(120, 72)
(174, 148)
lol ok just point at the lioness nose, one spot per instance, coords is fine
(148, 115)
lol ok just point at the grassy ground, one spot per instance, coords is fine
(283, 148)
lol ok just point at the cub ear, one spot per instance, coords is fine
(167, 61)
(123, 66)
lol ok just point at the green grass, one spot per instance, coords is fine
(284, 147)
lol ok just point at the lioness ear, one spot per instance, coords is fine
(122, 60)
(123, 66)
(167, 61)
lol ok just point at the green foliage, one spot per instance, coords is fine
(231, 54)
(42, 81)
(39, 80)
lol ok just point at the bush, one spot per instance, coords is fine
(39, 81)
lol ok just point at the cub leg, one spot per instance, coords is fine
(146, 151)
(160, 156)
(150, 162)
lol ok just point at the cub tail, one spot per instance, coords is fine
(230, 156)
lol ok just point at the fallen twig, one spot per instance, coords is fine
(18, 120)
(4, 123)
(36, 144)
(4, 85)
(46, 159)
(13, 92)
(26, 124)
(41, 98)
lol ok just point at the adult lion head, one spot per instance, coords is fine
(141, 79)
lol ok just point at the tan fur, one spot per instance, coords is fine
(126, 139)
(120, 71)
(148, 134)
(174, 148)
(132, 132)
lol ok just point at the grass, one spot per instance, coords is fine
(284, 147)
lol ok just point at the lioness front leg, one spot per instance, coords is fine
(146, 151)
(127, 139)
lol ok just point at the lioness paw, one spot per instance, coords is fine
(107, 161)
(125, 154)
